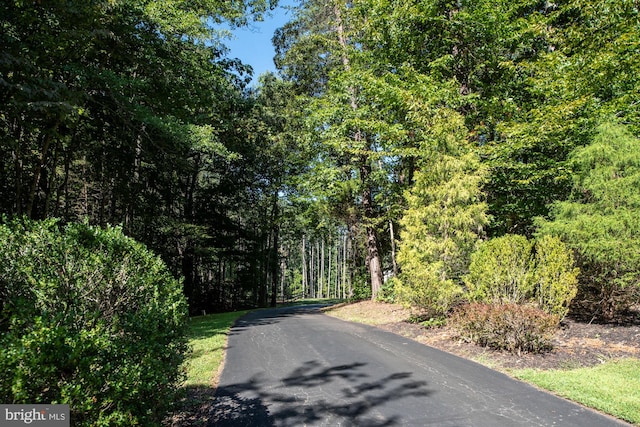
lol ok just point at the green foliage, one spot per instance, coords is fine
(128, 112)
(505, 326)
(388, 291)
(501, 271)
(427, 289)
(90, 318)
(573, 62)
(555, 277)
(428, 321)
(514, 270)
(600, 222)
(444, 218)
(361, 288)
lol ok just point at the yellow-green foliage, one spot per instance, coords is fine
(501, 270)
(443, 221)
(555, 277)
(511, 269)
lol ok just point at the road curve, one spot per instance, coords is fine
(297, 367)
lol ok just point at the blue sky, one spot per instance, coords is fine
(253, 45)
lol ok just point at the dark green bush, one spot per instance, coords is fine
(600, 221)
(90, 318)
(513, 327)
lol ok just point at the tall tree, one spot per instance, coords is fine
(599, 222)
(127, 112)
(444, 220)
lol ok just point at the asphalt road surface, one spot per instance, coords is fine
(297, 367)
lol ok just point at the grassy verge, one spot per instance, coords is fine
(208, 339)
(613, 387)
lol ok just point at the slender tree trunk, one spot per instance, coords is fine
(39, 169)
(52, 180)
(275, 264)
(320, 262)
(393, 248)
(18, 167)
(344, 266)
(304, 268)
(322, 281)
(312, 276)
(329, 271)
(263, 279)
(374, 262)
(283, 275)
(63, 188)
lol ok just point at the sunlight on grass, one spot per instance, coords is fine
(613, 387)
(208, 339)
(369, 312)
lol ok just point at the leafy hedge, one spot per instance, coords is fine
(514, 270)
(91, 318)
(520, 291)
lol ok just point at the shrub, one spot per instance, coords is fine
(443, 222)
(512, 327)
(555, 277)
(513, 270)
(388, 291)
(501, 271)
(432, 292)
(90, 318)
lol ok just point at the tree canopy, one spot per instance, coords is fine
(395, 137)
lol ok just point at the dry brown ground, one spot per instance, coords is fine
(575, 344)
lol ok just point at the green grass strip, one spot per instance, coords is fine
(612, 387)
(208, 340)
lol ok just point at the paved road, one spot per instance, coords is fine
(298, 367)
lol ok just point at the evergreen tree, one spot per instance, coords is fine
(444, 220)
(600, 220)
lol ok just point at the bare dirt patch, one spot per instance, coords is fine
(576, 343)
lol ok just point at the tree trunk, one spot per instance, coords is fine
(393, 248)
(275, 264)
(344, 266)
(304, 268)
(374, 262)
(38, 170)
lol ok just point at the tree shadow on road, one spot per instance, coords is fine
(268, 316)
(297, 400)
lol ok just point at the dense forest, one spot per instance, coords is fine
(398, 140)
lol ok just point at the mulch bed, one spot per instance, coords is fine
(576, 344)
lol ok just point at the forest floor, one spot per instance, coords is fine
(575, 344)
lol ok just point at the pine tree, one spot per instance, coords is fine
(600, 221)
